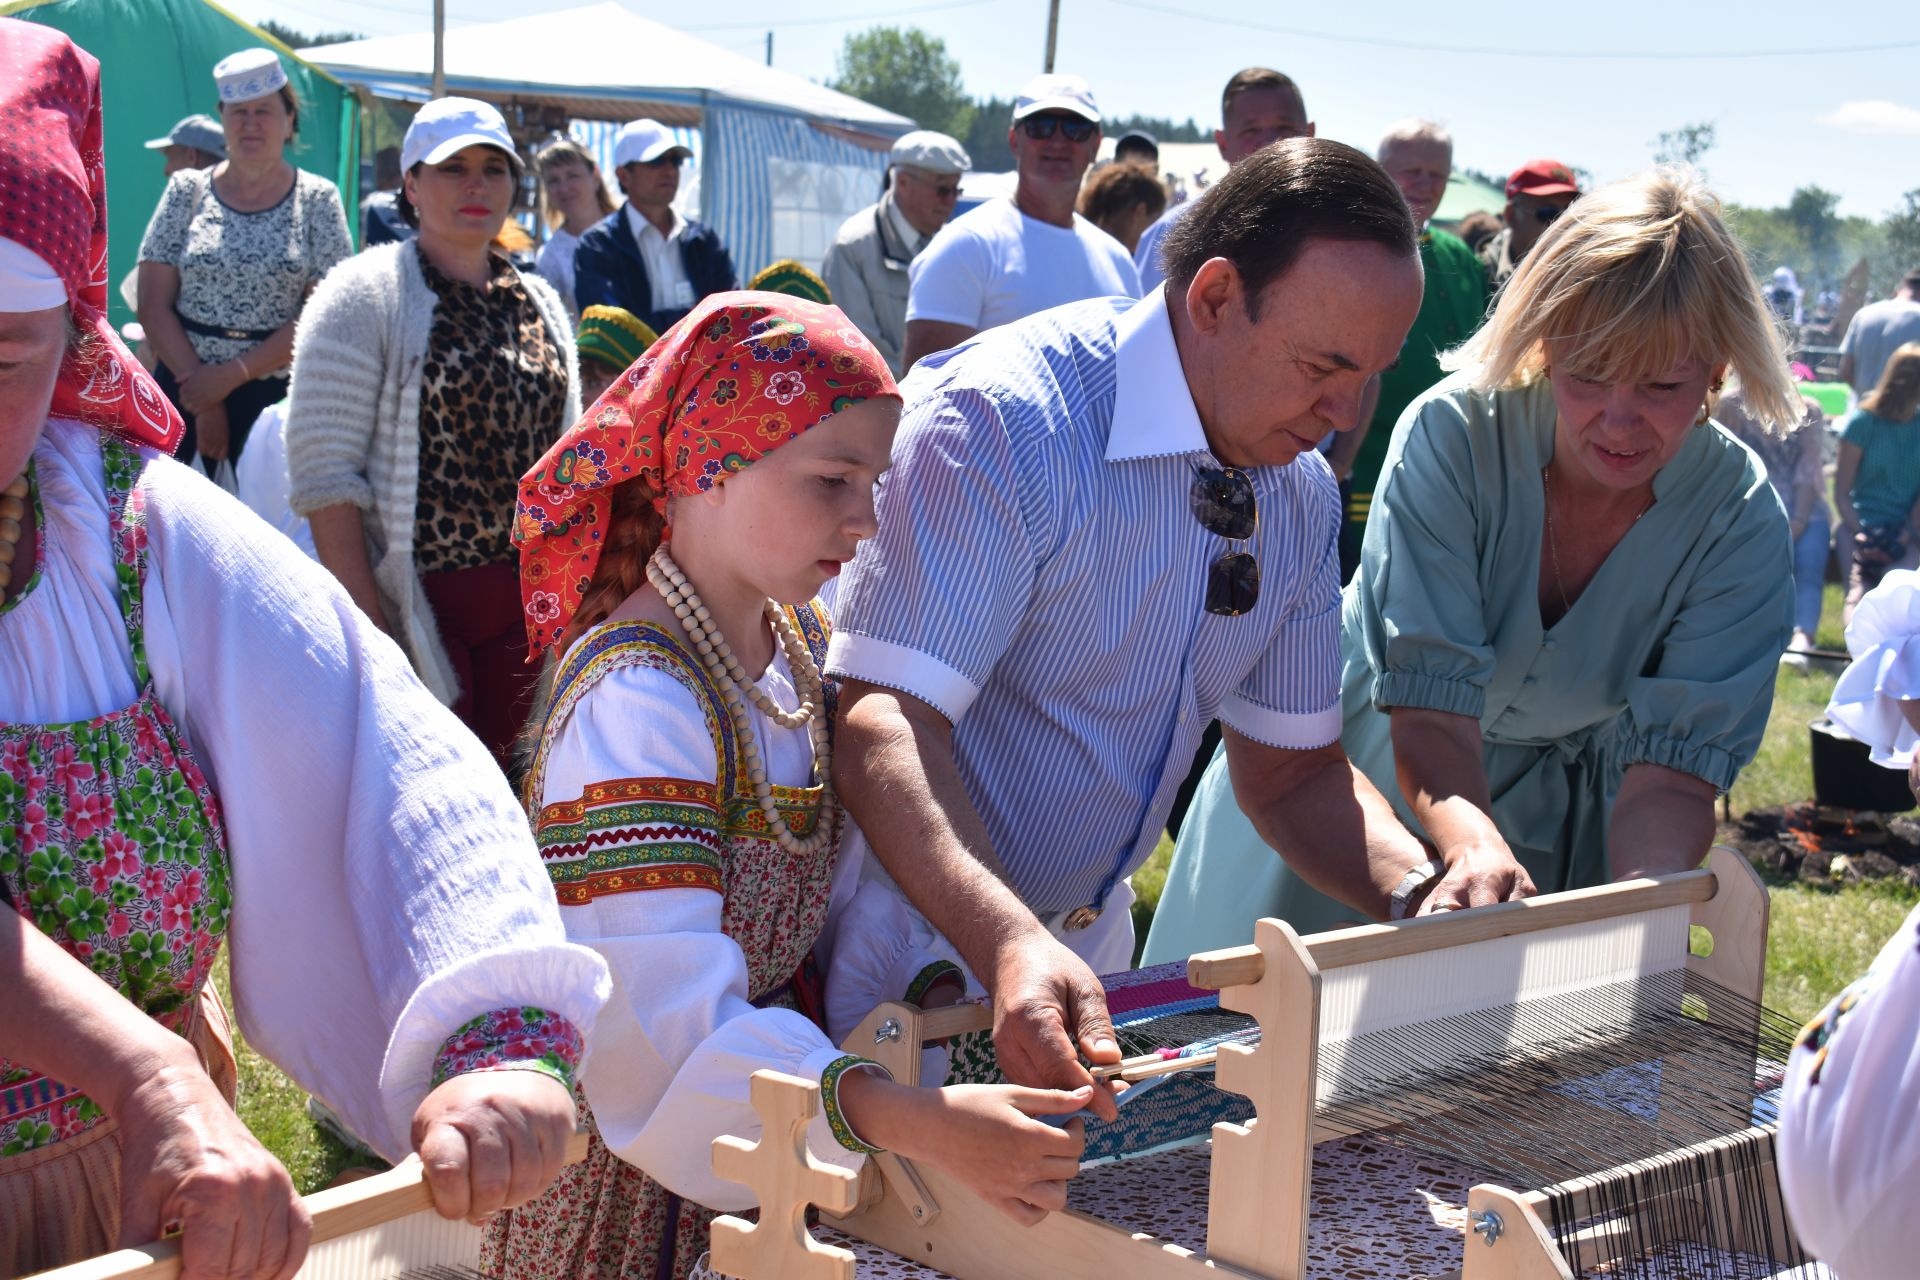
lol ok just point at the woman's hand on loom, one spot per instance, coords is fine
(491, 1140)
(1048, 1009)
(189, 1166)
(1478, 875)
(982, 1134)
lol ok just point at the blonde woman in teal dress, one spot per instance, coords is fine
(1561, 642)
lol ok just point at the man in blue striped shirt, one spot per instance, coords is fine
(1106, 525)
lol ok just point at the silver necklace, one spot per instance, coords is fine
(1553, 543)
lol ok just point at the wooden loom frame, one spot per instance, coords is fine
(339, 1211)
(1260, 1177)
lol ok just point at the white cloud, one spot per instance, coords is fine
(1876, 116)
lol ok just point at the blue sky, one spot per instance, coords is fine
(1837, 104)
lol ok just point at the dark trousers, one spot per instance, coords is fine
(244, 404)
(483, 627)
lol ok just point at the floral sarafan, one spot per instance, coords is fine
(111, 843)
(740, 375)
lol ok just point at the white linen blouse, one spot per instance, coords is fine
(385, 885)
(678, 1043)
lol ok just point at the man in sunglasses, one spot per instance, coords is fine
(1010, 258)
(1107, 525)
(1258, 106)
(1537, 192)
(866, 268)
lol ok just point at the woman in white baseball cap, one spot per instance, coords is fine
(428, 377)
(229, 257)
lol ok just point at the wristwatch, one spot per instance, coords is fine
(1416, 879)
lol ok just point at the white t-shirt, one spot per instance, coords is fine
(994, 264)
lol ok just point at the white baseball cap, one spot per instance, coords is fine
(934, 152)
(445, 125)
(643, 142)
(1056, 93)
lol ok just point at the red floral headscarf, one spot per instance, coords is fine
(53, 200)
(739, 376)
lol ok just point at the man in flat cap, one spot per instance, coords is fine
(867, 267)
(197, 142)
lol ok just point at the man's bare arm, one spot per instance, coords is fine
(894, 769)
(924, 337)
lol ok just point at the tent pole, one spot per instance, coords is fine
(439, 48)
(1053, 32)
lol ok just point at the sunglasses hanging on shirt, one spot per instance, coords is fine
(1222, 500)
(1040, 128)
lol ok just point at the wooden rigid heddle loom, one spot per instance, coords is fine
(1563, 1087)
(1579, 1085)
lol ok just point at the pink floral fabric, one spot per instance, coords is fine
(111, 844)
(514, 1039)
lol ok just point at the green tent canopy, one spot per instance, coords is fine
(156, 65)
(1468, 195)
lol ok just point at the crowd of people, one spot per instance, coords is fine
(1431, 576)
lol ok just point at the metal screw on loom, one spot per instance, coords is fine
(1488, 1224)
(888, 1030)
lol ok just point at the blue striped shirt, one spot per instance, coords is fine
(1039, 579)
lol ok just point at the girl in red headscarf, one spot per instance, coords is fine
(682, 783)
(203, 743)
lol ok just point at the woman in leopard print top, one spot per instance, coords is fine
(475, 384)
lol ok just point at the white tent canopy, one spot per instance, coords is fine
(599, 51)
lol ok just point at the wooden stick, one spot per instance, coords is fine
(1338, 948)
(337, 1211)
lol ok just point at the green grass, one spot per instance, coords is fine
(1821, 939)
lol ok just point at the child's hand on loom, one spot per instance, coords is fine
(982, 1134)
(491, 1140)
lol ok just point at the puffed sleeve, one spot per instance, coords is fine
(1422, 611)
(1884, 638)
(954, 509)
(166, 237)
(333, 402)
(1849, 1144)
(1703, 706)
(386, 890)
(630, 826)
(328, 238)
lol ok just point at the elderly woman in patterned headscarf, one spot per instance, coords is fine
(380, 893)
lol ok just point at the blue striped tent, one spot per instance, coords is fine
(779, 162)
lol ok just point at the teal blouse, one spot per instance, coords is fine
(1888, 481)
(1668, 657)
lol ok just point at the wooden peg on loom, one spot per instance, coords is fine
(786, 1179)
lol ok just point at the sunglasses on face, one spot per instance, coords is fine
(1548, 213)
(1040, 128)
(1222, 500)
(941, 190)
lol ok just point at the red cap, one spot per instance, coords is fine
(1542, 178)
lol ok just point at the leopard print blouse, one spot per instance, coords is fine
(493, 396)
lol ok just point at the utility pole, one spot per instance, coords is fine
(1053, 31)
(440, 48)
(769, 48)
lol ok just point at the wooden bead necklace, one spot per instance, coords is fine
(13, 515)
(736, 690)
